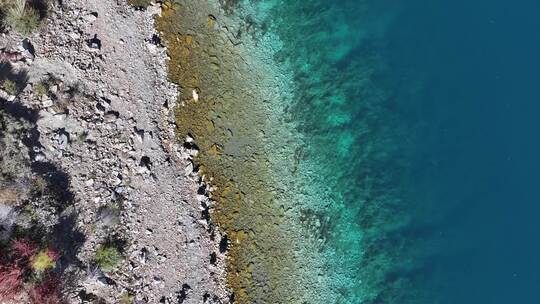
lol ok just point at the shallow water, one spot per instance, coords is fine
(366, 151)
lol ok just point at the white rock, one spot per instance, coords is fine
(90, 18)
(6, 96)
(74, 36)
(154, 9)
(54, 89)
(51, 121)
(188, 169)
(39, 157)
(63, 141)
(152, 48)
(47, 103)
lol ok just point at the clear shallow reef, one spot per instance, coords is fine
(358, 146)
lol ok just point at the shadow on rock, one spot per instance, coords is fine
(7, 72)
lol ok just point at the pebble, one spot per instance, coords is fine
(39, 157)
(46, 103)
(74, 36)
(111, 117)
(90, 18)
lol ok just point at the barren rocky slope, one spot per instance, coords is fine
(98, 91)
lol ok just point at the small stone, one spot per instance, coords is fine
(111, 116)
(74, 36)
(91, 17)
(188, 169)
(94, 43)
(39, 157)
(47, 102)
(154, 10)
(152, 48)
(63, 141)
(28, 56)
(6, 96)
(29, 50)
(139, 134)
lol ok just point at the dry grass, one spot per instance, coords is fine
(61, 106)
(9, 195)
(11, 282)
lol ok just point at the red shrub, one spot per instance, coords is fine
(23, 249)
(11, 281)
(47, 292)
(53, 254)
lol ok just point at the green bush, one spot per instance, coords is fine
(108, 257)
(83, 136)
(20, 16)
(10, 87)
(41, 89)
(126, 298)
(44, 260)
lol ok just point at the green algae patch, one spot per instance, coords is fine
(220, 108)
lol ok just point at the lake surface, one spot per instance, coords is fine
(423, 119)
(366, 151)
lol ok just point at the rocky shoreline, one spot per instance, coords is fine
(95, 80)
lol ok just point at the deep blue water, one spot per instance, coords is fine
(425, 117)
(476, 166)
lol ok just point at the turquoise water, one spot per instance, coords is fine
(358, 139)
(420, 120)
